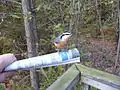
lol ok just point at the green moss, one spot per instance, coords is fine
(98, 74)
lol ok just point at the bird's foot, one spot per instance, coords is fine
(62, 50)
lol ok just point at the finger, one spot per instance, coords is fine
(19, 56)
(7, 75)
(5, 60)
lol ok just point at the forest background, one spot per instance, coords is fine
(93, 23)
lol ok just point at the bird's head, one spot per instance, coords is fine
(65, 36)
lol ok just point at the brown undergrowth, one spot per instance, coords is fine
(100, 53)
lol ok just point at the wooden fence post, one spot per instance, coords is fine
(86, 86)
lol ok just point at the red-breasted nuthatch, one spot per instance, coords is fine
(62, 40)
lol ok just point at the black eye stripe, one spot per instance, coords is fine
(63, 35)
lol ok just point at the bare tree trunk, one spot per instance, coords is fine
(100, 30)
(60, 12)
(98, 12)
(31, 37)
(90, 2)
(79, 22)
(115, 19)
(118, 46)
(76, 21)
(72, 5)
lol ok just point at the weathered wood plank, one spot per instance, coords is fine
(67, 80)
(97, 84)
(99, 76)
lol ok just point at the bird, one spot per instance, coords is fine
(62, 40)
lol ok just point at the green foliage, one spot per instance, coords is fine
(28, 16)
(6, 45)
(1, 87)
(52, 74)
(59, 27)
(15, 16)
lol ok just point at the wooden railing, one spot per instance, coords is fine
(86, 79)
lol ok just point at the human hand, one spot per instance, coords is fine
(5, 60)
